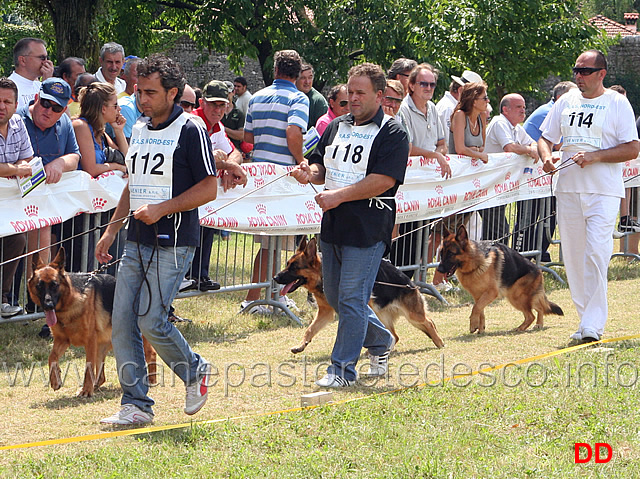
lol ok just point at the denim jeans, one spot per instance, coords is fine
(348, 277)
(141, 305)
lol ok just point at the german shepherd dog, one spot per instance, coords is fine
(388, 301)
(489, 271)
(77, 308)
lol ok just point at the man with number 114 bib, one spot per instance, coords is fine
(597, 129)
(361, 159)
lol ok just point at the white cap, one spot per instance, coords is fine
(467, 77)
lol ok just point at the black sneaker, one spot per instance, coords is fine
(628, 225)
(206, 284)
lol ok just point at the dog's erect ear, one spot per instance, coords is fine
(445, 231)
(303, 244)
(461, 235)
(312, 248)
(36, 262)
(59, 260)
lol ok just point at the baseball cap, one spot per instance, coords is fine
(216, 91)
(230, 85)
(56, 89)
(467, 77)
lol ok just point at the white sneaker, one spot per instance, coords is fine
(577, 335)
(198, 392)
(443, 287)
(289, 303)
(129, 414)
(258, 309)
(186, 284)
(378, 365)
(8, 310)
(334, 381)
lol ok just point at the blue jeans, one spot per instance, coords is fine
(348, 277)
(141, 306)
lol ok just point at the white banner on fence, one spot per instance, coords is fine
(287, 207)
(48, 204)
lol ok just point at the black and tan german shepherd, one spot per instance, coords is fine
(489, 271)
(77, 308)
(393, 295)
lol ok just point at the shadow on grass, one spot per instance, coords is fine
(470, 337)
(64, 402)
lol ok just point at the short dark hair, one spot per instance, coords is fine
(22, 47)
(241, 80)
(333, 93)
(6, 84)
(171, 74)
(82, 81)
(305, 67)
(373, 72)
(600, 61)
(401, 65)
(287, 63)
(454, 86)
(619, 88)
(65, 66)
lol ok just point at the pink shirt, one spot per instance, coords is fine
(324, 121)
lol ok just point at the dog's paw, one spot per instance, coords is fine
(298, 349)
(85, 393)
(54, 378)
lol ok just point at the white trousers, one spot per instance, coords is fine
(586, 223)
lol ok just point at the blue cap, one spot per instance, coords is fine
(56, 89)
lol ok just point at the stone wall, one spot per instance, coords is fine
(199, 73)
(624, 68)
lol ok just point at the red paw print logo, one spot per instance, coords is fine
(400, 195)
(98, 203)
(208, 209)
(540, 170)
(262, 209)
(627, 164)
(439, 189)
(476, 182)
(31, 210)
(438, 169)
(311, 205)
(507, 177)
(258, 182)
(474, 162)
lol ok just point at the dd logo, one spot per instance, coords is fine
(598, 446)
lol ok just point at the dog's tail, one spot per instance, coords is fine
(553, 308)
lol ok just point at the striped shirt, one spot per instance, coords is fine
(16, 146)
(271, 111)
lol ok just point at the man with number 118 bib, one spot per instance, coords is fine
(361, 159)
(597, 129)
(171, 172)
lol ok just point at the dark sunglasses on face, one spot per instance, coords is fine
(585, 71)
(393, 99)
(427, 84)
(187, 104)
(46, 104)
(343, 103)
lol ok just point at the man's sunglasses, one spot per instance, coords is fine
(187, 104)
(585, 71)
(46, 104)
(343, 103)
(427, 84)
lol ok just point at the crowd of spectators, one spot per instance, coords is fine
(78, 120)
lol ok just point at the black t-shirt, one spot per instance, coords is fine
(361, 223)
(234, 120)
(192, 162)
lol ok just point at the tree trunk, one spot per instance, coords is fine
(76, 29)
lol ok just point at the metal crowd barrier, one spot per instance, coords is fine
(527, 226)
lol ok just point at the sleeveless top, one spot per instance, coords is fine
(469, 138)
(100, 157)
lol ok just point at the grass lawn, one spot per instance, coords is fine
(519, 421)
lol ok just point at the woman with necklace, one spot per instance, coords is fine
(468, 122)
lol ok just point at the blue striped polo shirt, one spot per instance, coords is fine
(16, 146)
(271, 111)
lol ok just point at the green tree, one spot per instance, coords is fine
(514, 44)
(613, 9)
